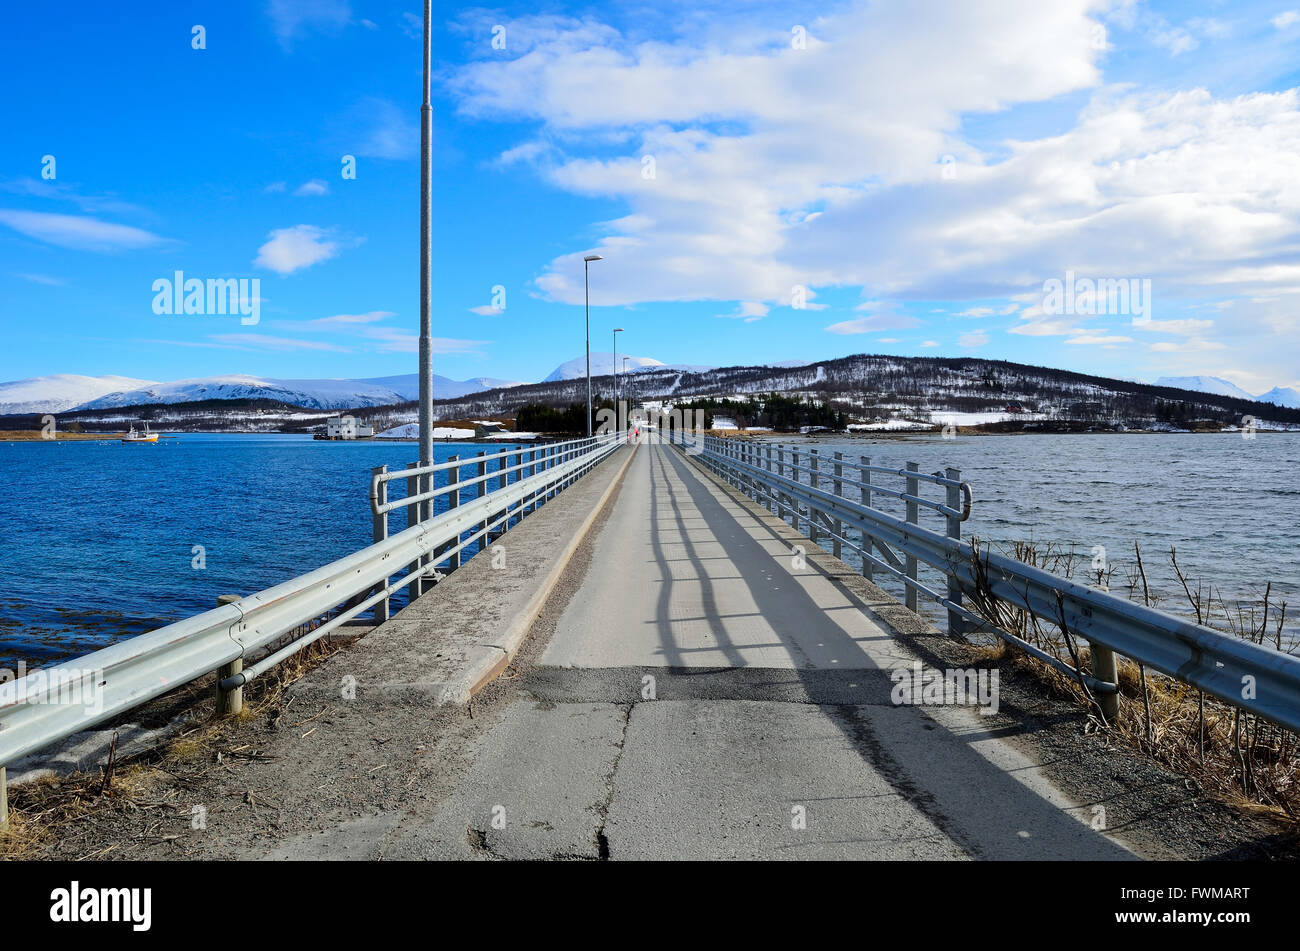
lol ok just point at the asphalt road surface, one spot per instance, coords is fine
(705, 695)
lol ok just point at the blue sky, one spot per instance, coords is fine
(912, 177)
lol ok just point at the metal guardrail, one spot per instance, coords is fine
(50, 704)
(1242, 674)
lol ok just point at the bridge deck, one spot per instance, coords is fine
(771, 701)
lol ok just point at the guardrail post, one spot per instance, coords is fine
(1104, 669)
(415, 588)
(380, 526)
(868, 543)
(453, 501)
(798, 479)
(771, 491)
(229, 702)
(913, 518)
(839, 493)
(482, 491)
(956, 626)
(814, 480)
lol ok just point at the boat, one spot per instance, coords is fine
(144, 436)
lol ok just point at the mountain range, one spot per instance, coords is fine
(65, 392)
(1280, 395)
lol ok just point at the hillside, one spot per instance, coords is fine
(867, 387)
(883, 392)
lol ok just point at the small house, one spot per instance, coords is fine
(346, 427)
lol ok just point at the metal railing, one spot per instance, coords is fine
(53, 703)
(1242, 674)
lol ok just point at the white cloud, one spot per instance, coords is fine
(384, 130)
(291, 249)
(41, 279)
(256, 341)
(312, 188)
(1185, 326)
(1194, 345)
(1192, 191)
(292, 18)
(748, 311)
(882, 319)
(972, 340)
(718, 218)
(77, 232)
(339, 321)
(976, 312)
(1101, 340)
(486, 310)
(1286, 19)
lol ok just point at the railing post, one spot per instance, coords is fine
(868, 542)
(380, 529)
(913, 488)
(229, 702)
(839, 493)
(796, 478)
(1105, 669)
(771, 489)
(453, 501)
(482, 491)
(416, 587)
(814, 481)
(956, 625)
(4, 800)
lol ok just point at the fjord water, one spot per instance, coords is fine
(97, 538)
(1229, 505)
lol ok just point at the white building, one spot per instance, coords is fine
(345, 427)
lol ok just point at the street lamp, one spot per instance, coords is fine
(586, 281)
(426, 266)
(614, 367)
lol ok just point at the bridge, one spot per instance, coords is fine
(654, 652)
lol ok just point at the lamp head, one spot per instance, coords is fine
(593, 257)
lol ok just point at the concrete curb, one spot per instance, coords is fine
(416, 658)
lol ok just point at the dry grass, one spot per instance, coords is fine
(47, 810)
(1233, 755)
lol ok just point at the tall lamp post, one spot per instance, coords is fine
(426, 266)
(586, 281)
(614, 366)
(629, 402)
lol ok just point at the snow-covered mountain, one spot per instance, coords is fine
(601, 364)
(312, 394)
(444, 388)
(1205, 384)
(54, 394)
(1282, 396)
